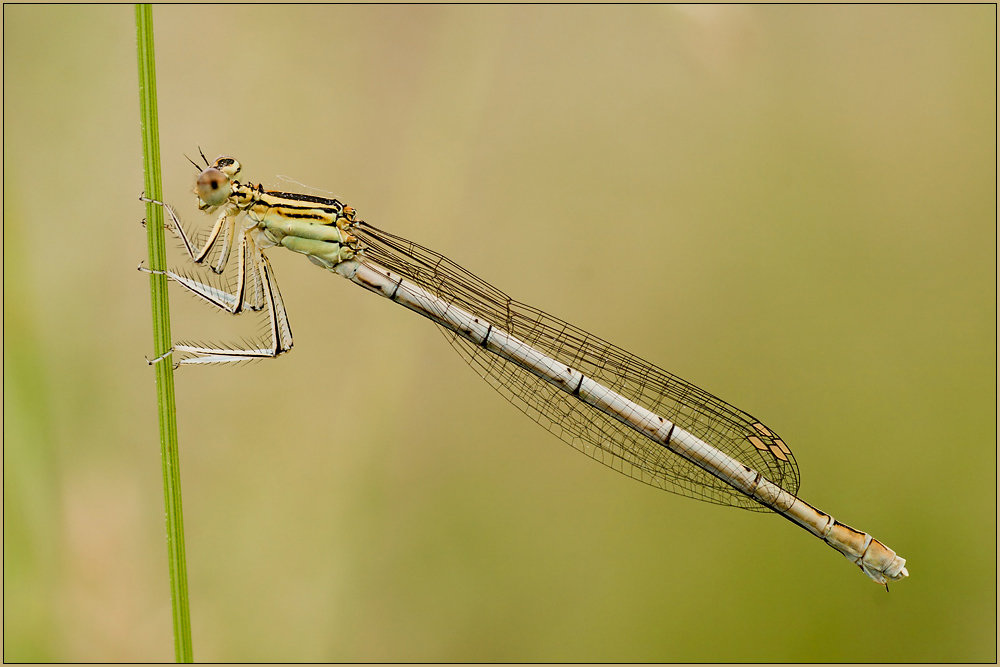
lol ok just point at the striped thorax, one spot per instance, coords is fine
(218, 186)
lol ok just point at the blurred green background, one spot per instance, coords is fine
(792, 207)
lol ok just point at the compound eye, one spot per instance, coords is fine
(213, 187)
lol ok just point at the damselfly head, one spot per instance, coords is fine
(215, 184)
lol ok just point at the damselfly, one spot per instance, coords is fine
(611, 405)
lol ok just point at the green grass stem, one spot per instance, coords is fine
(161, 337)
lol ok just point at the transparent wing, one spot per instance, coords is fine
(585, 428)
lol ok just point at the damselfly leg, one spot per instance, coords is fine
(313, 226)
(254, 288)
